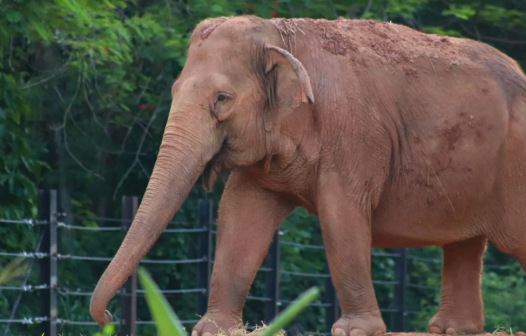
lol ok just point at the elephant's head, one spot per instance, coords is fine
(237, 84)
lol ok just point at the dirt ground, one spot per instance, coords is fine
(496, 333)
(242, 332)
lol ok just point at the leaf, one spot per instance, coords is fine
(16, 117)
(13, 16)
(124, 107)
(167, 322)
(37, 26)
(285, 317)
(13, 270)
(109, 4)
(463, 12)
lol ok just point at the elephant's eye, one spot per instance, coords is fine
(221, 97)
(221, 105)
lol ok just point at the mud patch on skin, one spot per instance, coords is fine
(468, 127)
(337, 43)
(445, 40)
(468, 119)
(208, 26)
(388, 52)
(422, 183)
(380, 38)
(452, 135)
(368, 43)
(410, 71)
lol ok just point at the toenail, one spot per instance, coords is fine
(194, 333)
(338, 332)
(451, 331)
(207, 334)
(358, 332)
(435, 330)
(378, 333)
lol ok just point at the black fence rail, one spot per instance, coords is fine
(47, 254)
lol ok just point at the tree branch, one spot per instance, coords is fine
(53, 75)
(92, 109)
(367, 8)
(11, 55)
(136, 160)
(69, 105)
(90, 139)
(63, 127)
(494, 39)
(75, 158)
(148, 175)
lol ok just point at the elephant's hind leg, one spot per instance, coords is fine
(517, 250)
(460, 309)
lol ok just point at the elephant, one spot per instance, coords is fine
(392, 137)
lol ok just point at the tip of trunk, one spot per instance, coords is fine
(101, 316)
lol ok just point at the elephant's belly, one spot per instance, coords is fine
(442, 209)
(391, 235)
(442, 190)
(415, 227)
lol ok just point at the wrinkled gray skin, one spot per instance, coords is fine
(393, 138)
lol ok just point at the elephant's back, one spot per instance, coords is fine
(365, 44)
(369, 41)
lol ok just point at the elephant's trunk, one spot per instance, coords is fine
(187, 146)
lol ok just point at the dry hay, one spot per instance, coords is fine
(287, 28)
(240, 331)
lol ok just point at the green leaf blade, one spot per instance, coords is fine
(167, 322)
(285, 317)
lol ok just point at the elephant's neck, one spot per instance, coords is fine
(291, 166)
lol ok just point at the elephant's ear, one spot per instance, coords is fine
(289, 84)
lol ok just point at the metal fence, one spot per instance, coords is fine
(46, 252)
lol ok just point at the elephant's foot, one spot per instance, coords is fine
(215, 323)
(359, 325)
(456, 323)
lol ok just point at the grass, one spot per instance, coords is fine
(168, 323)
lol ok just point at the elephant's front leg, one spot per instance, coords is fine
(248, 218)
(347, 238)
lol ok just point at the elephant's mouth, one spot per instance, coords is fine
(212, 170)
(214, 167)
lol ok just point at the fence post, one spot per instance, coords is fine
(272, 279)
(399, 290)
(331, 312)
(128, 297)
(206, 220)
(47, 211)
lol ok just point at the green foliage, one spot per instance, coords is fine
(85, 95)
(463, 12)
(167, 322)
(504, 298)
(108, 330)
(286, 316)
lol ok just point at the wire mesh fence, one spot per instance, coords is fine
(47, 254)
